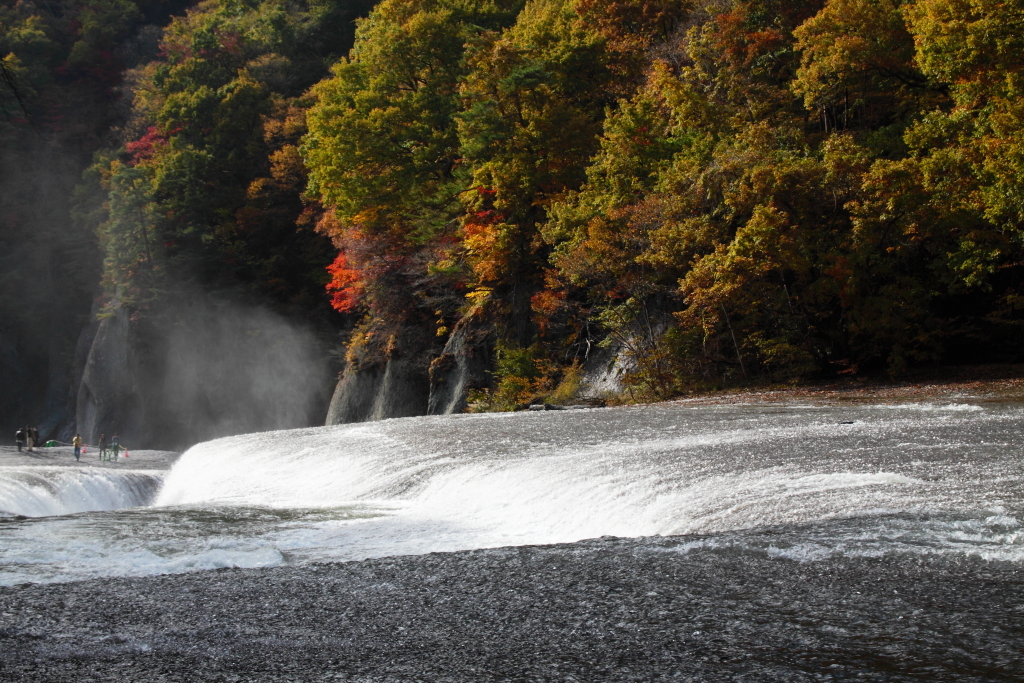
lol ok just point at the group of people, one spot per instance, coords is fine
(29, 436)
(112, 450)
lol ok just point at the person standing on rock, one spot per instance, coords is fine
(115, 448)
(29, 438)
(77, 443)
(103, 446)
(19, 438)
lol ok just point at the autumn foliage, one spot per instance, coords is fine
(718, 193)
(344, 285)
(724, 193)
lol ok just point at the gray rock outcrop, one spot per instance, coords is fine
(404, 374)
(108, 397)
(463, 365)
(398, 388)
(603, 373)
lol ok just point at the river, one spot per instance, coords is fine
(856, 479)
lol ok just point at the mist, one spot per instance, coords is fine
(202, 368)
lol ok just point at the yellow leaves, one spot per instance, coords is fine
(674, 243)
(286, 167)
(847, 42)
(764, 243)
(783, 359)
(961, 40)
(489, 247)
(370, 218)
(845, 161)
(479, 295)
(891, 193)
(767, 240)
(973, 156)
(329, 225)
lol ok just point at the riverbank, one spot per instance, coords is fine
(995, 383)
(684, 608)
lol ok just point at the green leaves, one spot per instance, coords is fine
(382, 147)
(214, 182)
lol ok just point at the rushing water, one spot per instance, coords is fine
(853, 479)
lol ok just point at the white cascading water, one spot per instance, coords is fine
(849, 478)
(457, 491)
(47, 491)
(481, 481)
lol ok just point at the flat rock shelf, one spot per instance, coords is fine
(721, 607)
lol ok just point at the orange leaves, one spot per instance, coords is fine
(632, 27)
(633, 24)
(741, 44)
(489, 244)
(345, 288)
(545, 305)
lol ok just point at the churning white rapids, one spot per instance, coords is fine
(853, 479)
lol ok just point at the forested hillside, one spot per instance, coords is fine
(205, 189)
(151, 174)
(493, 196)
(725, 191)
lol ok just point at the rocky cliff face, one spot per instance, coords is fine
(197, 371)
(205, 369)
(398, 388)
(109, 401)
(386, 375)
(463, 365)
(405, 375)
(422, 381)
(603, 373)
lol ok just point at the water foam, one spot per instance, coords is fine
(823, 481)
(45, 491)
(932, 407)
(463, 492)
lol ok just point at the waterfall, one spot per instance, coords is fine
(554, 477)
(46, 491)
(848, 479)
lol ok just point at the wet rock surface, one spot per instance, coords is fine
(602, 610)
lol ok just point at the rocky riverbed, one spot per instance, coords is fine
(64, 456)
(701, 608)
